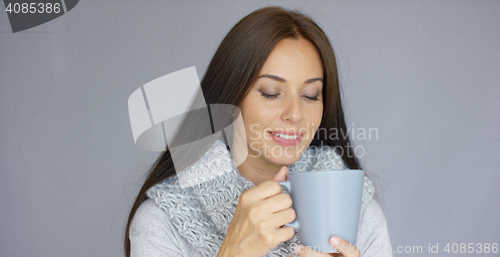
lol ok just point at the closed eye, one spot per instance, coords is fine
(269, 95)
(316, 98)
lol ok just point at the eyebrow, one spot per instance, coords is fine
(283, 80)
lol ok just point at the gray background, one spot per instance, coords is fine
(424, 73)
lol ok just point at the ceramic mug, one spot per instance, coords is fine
(327, 203)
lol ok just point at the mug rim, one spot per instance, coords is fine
(326, 171)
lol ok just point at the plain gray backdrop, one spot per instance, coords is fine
(424, 73)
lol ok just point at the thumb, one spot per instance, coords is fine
(281, 175)
(347, 249)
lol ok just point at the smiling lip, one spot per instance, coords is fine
(286, 138)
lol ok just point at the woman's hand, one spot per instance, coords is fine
(343, 248)
(257, 225)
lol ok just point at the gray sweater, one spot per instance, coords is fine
(178, 221)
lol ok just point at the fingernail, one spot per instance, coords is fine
(334, 240)
(299, 248)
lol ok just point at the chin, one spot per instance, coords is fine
(285, 158)
(283, 161)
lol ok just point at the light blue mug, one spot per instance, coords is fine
(327, 203)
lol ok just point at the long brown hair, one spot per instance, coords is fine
(234, 68)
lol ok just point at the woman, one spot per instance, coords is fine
(279, 69)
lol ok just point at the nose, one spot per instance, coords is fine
(292, 111)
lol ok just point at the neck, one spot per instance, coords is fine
(257, 170)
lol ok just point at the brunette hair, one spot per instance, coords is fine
(235, 67)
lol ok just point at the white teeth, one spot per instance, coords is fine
(288, 137)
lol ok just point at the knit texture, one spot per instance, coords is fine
(202, 213)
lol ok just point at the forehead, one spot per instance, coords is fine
(291, 57)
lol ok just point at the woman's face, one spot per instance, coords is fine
(283, 108)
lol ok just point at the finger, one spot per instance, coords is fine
(282, 174)
(283, 217)
(278, 203)
(265, 190)
(347, 249)
(304, 251)
(272, 187)
(285, 233)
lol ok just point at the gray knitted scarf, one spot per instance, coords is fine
(202, 213)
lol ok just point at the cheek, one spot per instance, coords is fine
(315, 115)
(320, 115)
(258, 113)
(251, 119)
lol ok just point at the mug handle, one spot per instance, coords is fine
(294, 224)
